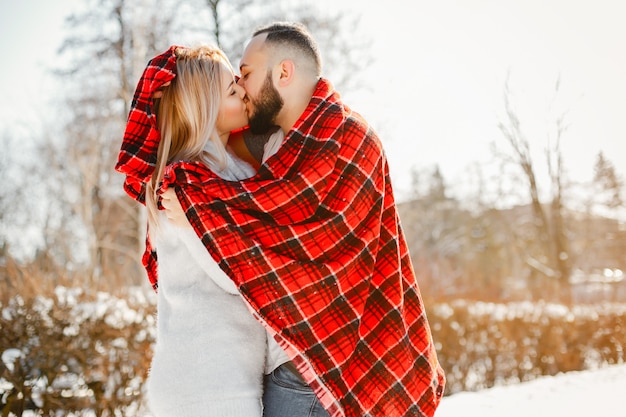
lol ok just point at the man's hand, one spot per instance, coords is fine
(173, 209)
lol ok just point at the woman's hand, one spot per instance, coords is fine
(173, 209)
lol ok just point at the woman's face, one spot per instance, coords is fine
(232, 112)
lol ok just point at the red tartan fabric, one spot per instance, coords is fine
(137, 157)
(315, 245)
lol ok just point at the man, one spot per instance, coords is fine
(315, 246)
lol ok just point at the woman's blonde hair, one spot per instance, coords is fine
(186, 116)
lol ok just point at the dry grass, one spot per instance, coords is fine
(485, 344)
(68, 348)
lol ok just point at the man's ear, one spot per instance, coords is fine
(287, 72)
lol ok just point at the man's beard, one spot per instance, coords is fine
(266, 107)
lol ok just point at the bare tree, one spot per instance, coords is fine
(98, 228)
(342, 41)
(20, 207)
(93, 224)
(542, 237)
(436, 231)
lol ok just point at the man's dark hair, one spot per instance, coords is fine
(295, 36)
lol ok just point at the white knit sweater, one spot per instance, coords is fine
(210, 353)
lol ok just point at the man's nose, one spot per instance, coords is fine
(241, 92)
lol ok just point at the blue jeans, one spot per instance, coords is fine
(286, 395)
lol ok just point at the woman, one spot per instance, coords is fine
(210, 351)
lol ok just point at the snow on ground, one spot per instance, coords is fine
(600, 392)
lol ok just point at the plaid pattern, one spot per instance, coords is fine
(315, 246)
(137, 157)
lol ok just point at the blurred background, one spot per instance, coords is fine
(503, 126)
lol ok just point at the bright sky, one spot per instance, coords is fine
(437, 85)
(31, 34)
(451, 58)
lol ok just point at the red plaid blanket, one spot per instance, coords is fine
(315, 245)
(138, 153)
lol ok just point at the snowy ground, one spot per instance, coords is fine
(600, 392)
